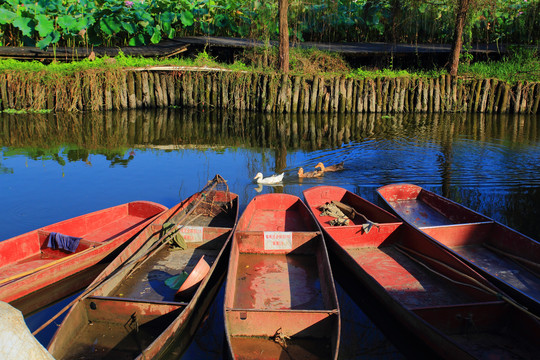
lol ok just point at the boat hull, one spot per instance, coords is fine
(440, 301)
(280, 297)
(504, 256)
(130, 310)
(34, 275)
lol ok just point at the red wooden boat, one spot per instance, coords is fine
(504, 256)
(280, 299)
(449, 307)
(33, 274)
(134, 308)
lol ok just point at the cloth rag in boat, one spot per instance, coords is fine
(175, 238)
(64, 242)
(174, 282)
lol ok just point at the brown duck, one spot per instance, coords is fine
(337, 167)
(309, 174)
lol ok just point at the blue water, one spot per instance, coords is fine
(54, 167)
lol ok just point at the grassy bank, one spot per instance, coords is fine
(519, 65)
(318, 82)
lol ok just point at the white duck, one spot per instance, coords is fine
(274, 179)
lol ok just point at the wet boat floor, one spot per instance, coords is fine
(278, 282)
(408, 282)
(148, 281)
(117, 341)
(419, 213)
(503, 268)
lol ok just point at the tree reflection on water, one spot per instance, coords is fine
(461, 150)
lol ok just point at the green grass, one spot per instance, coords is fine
(26, 111)
(521, 65)
(390, 73)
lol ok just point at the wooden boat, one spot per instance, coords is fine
(280, 299)
(504, 256)
(132, 310)
(33, 274)
(445, 304)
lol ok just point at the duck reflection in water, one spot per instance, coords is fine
(278, 188)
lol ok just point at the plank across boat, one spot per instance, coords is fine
(507, 258)
(280, 298)
(35, 271)
(133, 310)
(443, 302)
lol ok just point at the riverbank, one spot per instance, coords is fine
(204, 87)
(318, 82)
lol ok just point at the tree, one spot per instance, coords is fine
(283, 6)
(461, 19)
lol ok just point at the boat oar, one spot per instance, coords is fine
(479, 286)
(43, 267)
(533, 266)
(92, 287)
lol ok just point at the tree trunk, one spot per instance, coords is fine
(461, 18)
(396, 14)
(284, 36)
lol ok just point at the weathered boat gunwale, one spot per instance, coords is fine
(61, 273)
(473, 231)
(414, 320)
(306, 241)
(457, 225)
(181, 325)
(157, 302)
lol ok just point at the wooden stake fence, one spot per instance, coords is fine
(269, 93)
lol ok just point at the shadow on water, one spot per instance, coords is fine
(489, 163)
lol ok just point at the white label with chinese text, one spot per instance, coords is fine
(192, 233)
(277, 240)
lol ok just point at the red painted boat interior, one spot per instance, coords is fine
(424, 208)
(29, 251)
(113, 328)
(280, 297)
(491, 246)
(276, 214)
(424, 278)
(133, 306)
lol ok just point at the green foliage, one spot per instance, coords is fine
(521, 64)
(91, 22)
(203, 59)
(138, 22)
(26, 111)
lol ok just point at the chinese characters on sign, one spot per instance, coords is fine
(277, 240)
(192, 233)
